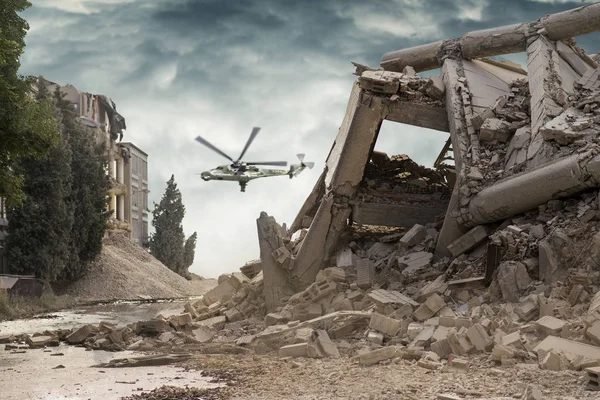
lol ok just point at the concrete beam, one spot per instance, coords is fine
(310, 206)
(276, 283)
(542, 83)
(451, 230)
(423, 115)
(496, 41)
(394, 214)
(344, 171)
(323, 234)
(351, 150)
(526, 191)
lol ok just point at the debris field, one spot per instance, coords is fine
(489, 262)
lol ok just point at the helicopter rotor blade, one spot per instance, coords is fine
(212, 147)
(309, 164)
(249, 142)
(277, 163)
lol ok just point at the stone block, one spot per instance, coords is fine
(552, 362)
(80, 335)
(468, 241)
(233, 315)
(378, 355)
(442, 348)
(479, 337)
(501, 352)
(413, 329)
(494, 129)
(274, 319)
(593, 333)
(36, 342)
(423, 338)
(414, 263)
(375, 337)
(593, 378)
(435, 88)
(320, 345)
(153, 327)
(459, 344)
(214, 322)
(387, 326)
(549, 325)
(364, 273)
(203, 334)
(294, 350)
(402, 312)
(415, 235)
(429, 308)
(385, 297)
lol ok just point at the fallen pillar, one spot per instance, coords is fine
(496, 41)
(520, 193)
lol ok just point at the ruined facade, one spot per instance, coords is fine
(517, 140)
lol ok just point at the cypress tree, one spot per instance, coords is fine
(188, 251)
(88, 199)
(167, 243)
(39, 230)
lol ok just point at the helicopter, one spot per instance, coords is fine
(243, 171)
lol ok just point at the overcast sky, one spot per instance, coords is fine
(179, 68)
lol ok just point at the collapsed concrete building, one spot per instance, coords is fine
(498, 253)
(518, 140)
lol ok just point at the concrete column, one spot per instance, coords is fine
(113, 205)
(344, 171)
(121, 208)
(120, 170)
(451, 230)
(524, 192)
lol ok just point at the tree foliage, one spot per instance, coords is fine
(168, 243)
(27, 125)
(57, 230)
(189, 250)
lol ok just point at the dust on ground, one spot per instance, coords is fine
(267, 377)
(125, 270)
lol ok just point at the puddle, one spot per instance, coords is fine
(34, 376)
(120, 313)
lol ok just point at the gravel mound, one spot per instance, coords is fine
(125, 271)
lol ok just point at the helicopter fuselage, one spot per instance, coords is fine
(245, 174)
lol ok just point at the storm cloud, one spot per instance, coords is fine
(181, 68)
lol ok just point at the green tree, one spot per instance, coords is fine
(39, 231)
(88, 200)
(167, 243)
(57, 230)
(27, 126)
(189, 250)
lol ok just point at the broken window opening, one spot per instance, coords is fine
(400, 187)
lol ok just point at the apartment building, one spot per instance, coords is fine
(136, 183)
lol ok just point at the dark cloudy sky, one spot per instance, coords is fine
(179, 68)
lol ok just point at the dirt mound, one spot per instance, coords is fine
(125, 270)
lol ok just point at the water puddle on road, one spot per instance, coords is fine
(38, 375)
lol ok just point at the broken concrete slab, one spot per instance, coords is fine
(415, 235)
(385, 325)
(468, 241)
(494, 129)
